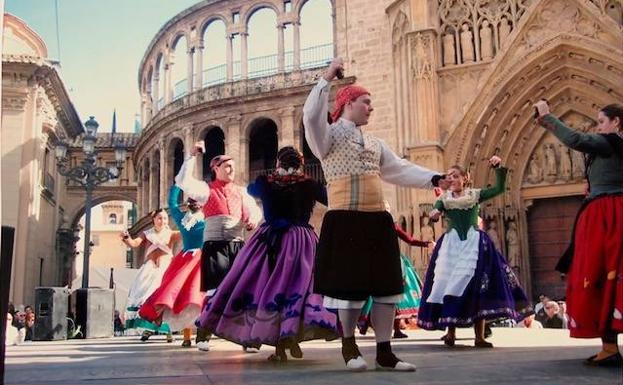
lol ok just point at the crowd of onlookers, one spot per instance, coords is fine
(548, 314)
(20, 324)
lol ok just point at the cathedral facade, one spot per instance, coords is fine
(452, 82)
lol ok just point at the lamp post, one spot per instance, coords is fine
(88, 175)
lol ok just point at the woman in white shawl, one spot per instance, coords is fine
(158, 242)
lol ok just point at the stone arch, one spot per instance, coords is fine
(174, 158)
(575, 75)
(299, 6)
(317, 37)
(211, 19)
(76, 212)
(176, 37)
(263, 145)
(213, 137)
(258, 6)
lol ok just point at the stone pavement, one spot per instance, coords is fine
(521, 356)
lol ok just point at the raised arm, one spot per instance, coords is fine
(193, 187)
(315, 113)
(174, 207)
(497, 188)
(577, 140)
(404, 173)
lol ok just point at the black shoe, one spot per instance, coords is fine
(186, 343)
(400, 334)
(613, 361)
(145, 336)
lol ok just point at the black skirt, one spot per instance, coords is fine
(358, 256)
(216, 260)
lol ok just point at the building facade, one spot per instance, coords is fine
(36, 110)
(452, 82)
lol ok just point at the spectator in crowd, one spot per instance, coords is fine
(119, 324)
(13, 336)
(530, 323)
(29, 322)
(539, 306)
(554, 320)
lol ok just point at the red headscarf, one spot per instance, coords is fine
(345, 95)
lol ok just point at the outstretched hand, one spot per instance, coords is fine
(337, 65)
(198, 148)
(495, 161)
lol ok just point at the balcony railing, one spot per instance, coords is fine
(311, 57)
(313, 170)
(237, 88)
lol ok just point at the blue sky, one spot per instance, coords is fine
(101, 45)
(103, 42)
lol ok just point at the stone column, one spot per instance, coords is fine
(162, 198)
(152, 183)
(281, 58)
(168, 72)
(199, 65)
(229, 57)
(244, 61)
(189, 139)
(155, 92)
(296, 32)
(190, 84)
(285, 133)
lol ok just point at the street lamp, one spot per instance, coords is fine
(88, 175)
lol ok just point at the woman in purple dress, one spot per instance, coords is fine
(266, 298)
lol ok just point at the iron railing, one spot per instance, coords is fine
(311, 57)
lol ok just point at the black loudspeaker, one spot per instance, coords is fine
(6, 262)
(50, 313)
(94, 311)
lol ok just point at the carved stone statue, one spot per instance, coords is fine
(504, 30)
(449, 54)
(467, 44)
(551, 166)
(513, 254)
(492, 232)
(535, 172)
(577, 163)
(486, 42)
(565, 162)
(427, 232)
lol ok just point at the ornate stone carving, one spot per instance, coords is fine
(513, 254)
(449, 53)
(467, 44)
(486, 41)
(550, 162)
(422, 68)
(535, 171)
(492, 232)
(502, 15)
(565, 162)
(504, 29)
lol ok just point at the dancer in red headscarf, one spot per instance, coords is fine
(358, 255)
